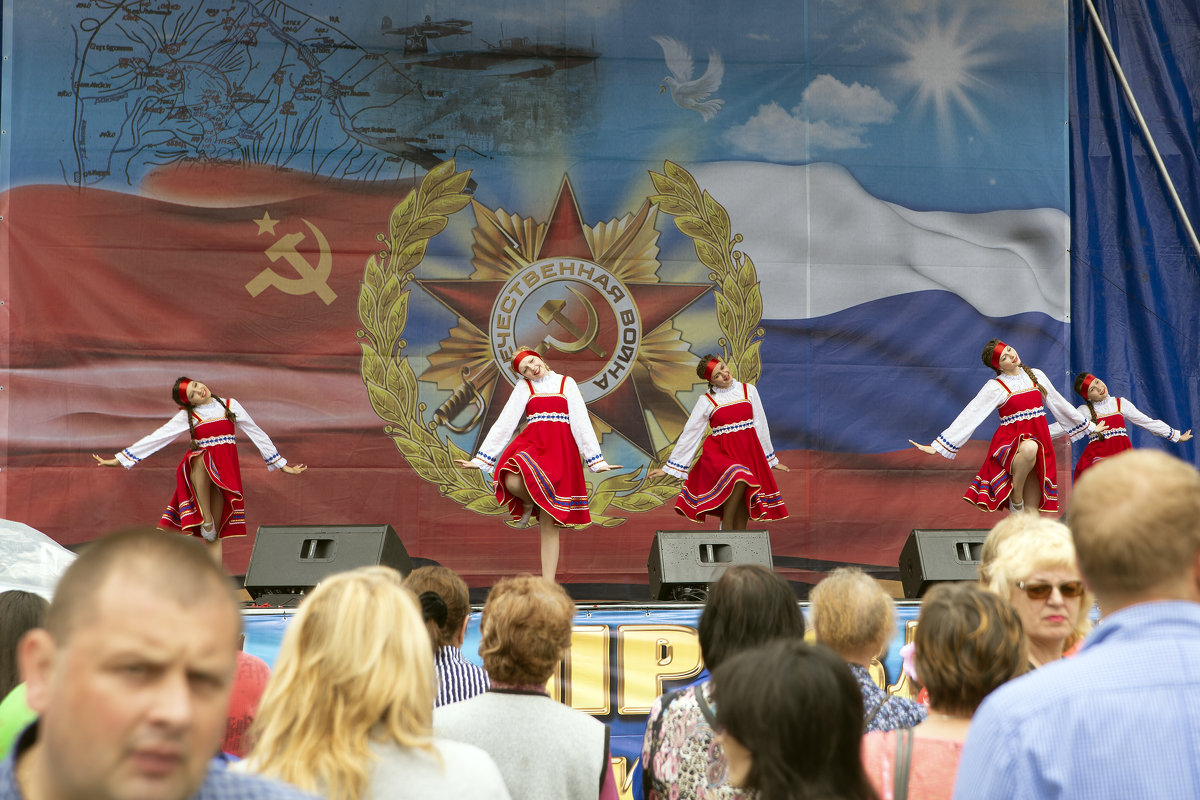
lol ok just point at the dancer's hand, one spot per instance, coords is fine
(465, 464)
(112, 462)
(607, 467)
(781, 467)
(656, 473)
(1183, 437)
(294, 469)
(924, 448)
(1101, 427)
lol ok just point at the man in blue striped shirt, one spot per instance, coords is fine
(1120, 720)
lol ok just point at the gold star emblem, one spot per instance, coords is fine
(589, 296)
(266, 224)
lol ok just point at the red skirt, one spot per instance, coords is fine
(547, 459)
(993, 485)
(183, 512)
(724, 461)
(1096, 450)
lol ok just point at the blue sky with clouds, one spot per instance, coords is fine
(933, 104)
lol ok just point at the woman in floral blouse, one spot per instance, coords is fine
(750, 605)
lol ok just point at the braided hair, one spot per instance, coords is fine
(703, 365)
(191, 417)
(1079, 385)
(990, 348)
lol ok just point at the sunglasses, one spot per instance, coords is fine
(1041, 590)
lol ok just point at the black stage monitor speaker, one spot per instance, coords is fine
(930, 556)
(288, 560)
(683, 563)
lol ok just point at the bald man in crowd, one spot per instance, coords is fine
(130, 678)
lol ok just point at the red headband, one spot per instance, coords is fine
(1086, 384)
(183, 398)
(710, 367)
(520, 356)
(996, 351)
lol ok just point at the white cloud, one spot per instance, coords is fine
(828, 97)
(830, 116)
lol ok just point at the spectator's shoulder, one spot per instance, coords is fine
(222, 784)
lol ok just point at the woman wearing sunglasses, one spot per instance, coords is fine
(1034, 569)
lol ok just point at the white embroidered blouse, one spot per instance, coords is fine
(993, 395)
(212, 410)
(510, 417)
(1109, 406)
(693, 432)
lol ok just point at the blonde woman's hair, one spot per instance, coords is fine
(850, 612)
(1000, 533)
(1040, 543)
(354, 665)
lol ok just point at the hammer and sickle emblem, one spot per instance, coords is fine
(552, 311)
(309, 278)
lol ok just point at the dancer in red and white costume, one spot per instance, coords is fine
(732, 477)
(1020, 460)
(1114, 412)
(208, 484)
(539, 473)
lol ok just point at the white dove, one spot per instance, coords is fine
(686, 92)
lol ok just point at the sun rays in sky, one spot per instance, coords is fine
(942, 62)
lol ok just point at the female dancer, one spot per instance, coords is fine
(1021, 446)
(208, 484)
(733, 476)
(539, 471)
(1115, 411)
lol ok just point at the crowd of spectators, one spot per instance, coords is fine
(128, 676)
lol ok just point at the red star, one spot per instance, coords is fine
(657, 303)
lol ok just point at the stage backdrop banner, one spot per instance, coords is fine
(1140, 333)
(621, 659)
(348, 215)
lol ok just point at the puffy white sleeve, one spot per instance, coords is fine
(503, 428)
(989, 398)
(760, 426)
(153, 442)
(1072, 422)
(581, 427)
(1155, 426)
(257, 435)
(689, 439)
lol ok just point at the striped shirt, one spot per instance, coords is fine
(458, 678)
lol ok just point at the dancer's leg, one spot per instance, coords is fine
(547, 528)
(549, 533)
(211, 503)
(516, 486)
(734, 515)
(1022, 466)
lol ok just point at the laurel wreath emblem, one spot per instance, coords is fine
(392, 385)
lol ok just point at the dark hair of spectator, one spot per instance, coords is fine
(798, 710)
(447, 585)
(19, 612)
(749, 605)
